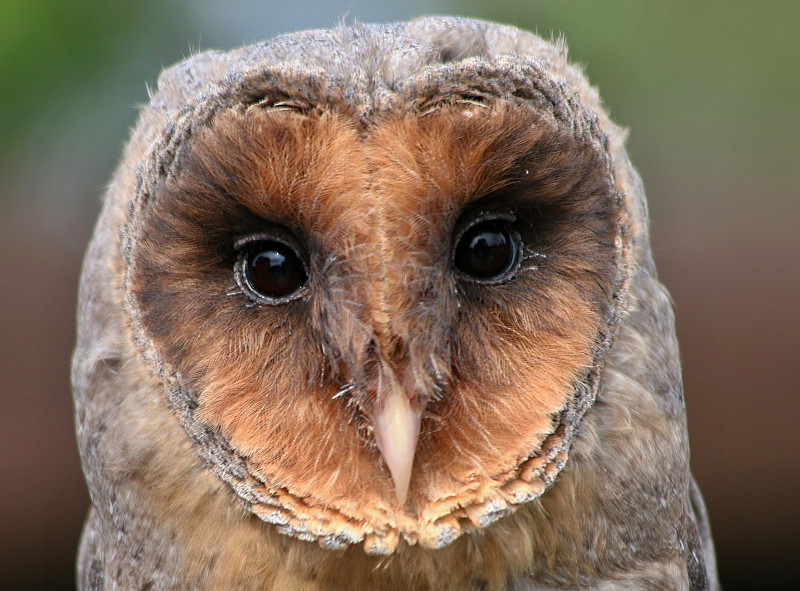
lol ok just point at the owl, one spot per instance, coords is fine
(374, 308)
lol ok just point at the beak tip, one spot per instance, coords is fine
(401, 486)
(402, 495)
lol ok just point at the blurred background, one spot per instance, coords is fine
(710, 92)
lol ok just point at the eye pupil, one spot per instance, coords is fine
(486, 251)
(274, 270)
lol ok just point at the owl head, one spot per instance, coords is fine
(365, 283)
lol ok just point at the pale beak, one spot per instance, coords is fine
(396, 429)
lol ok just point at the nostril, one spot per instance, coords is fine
(396, 352)
(388, 348)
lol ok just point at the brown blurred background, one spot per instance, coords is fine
(709, 90)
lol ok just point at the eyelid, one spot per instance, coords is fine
(479, 218)
(275, 235)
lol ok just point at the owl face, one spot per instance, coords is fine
(379, 322)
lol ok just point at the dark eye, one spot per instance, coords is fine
(271, 270)
(488, 251)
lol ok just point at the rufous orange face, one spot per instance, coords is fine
(387, 315)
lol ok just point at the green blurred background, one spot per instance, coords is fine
(709, 91)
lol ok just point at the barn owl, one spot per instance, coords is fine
(374, 308)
